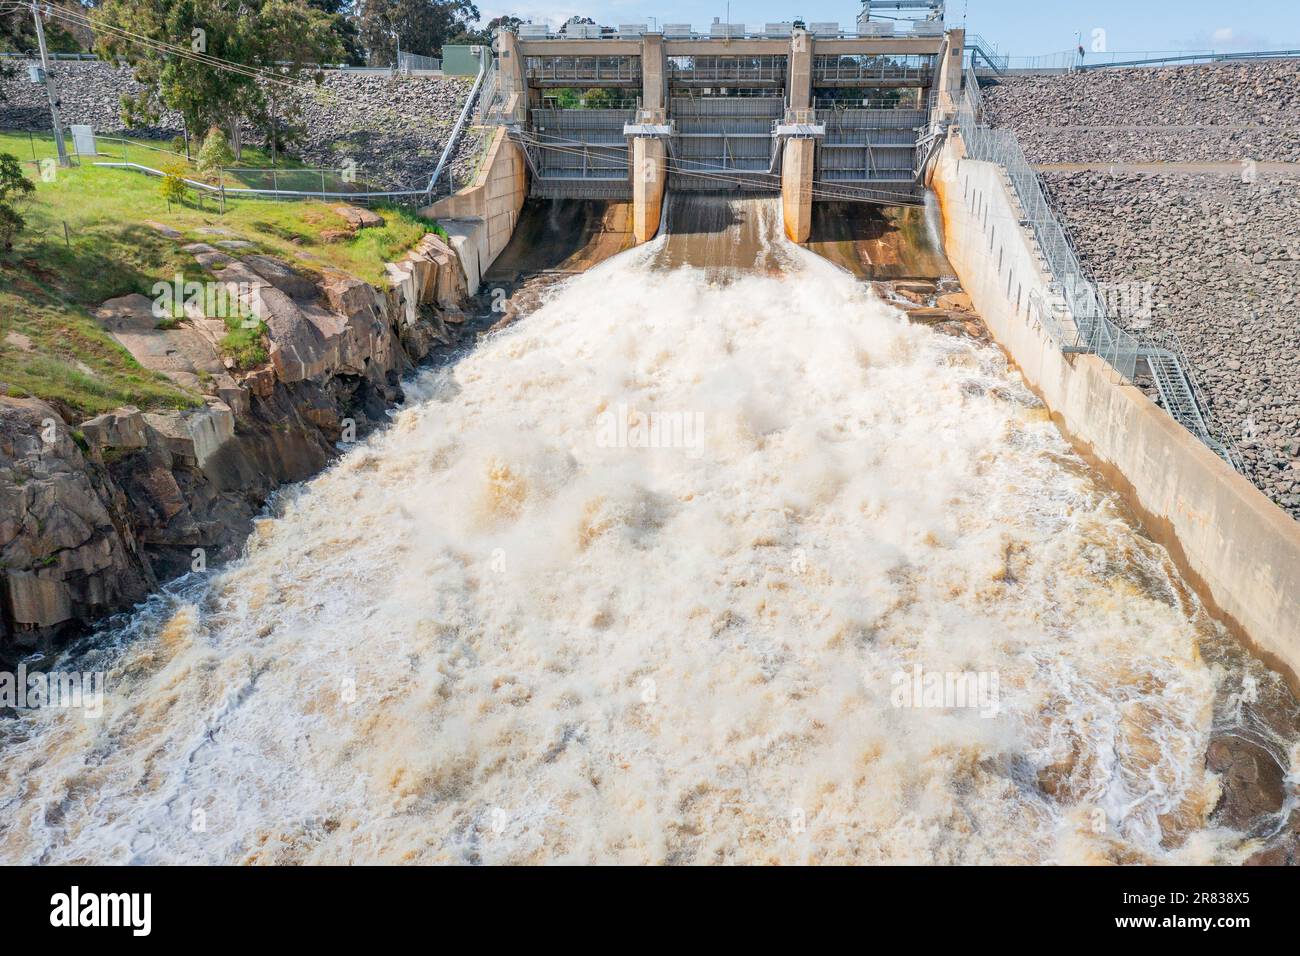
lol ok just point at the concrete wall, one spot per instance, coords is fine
(481, 218)
(1240, 552)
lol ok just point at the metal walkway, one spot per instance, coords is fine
(1180, 397)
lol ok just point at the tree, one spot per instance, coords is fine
(215, 152)
(484, 34)
(345, 28)
(18, 34)
(14, 189)
(576, 21)
(285, 38)
(423, 26)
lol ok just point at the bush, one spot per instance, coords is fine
(14, 188)
(173, 186)
(215, 153)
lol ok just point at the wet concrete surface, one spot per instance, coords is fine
(878, 242)
(563, 236)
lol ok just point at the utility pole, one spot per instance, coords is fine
(49, 88)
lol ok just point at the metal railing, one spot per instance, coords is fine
(757, 68)
(1184, 58)
(1076, 317)
(862, 66)
(582, 69)
(408, 63)
(977, 48)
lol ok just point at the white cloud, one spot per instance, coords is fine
(1222, 35)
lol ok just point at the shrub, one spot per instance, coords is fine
(173, 186)
(244, 345)
(214, 153)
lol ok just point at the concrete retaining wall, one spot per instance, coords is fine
(481, 218)
(1240, 551)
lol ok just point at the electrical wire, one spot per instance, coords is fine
(180, 51)
(822, 188)
(829, 189)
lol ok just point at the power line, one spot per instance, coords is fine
(821, 188)
(160, 46)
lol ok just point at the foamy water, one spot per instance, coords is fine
(487, 635)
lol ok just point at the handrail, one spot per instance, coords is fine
(459, 128)
(1070, 285)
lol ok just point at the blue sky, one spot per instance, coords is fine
(1019, 27)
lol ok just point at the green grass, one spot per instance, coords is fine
(49, 285)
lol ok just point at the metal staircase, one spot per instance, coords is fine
(981, 49)
(1180, 397)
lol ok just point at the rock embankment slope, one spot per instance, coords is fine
(94, 514)
(1213, 257)
(393, 128)
(1208, 113)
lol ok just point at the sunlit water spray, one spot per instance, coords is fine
(511, 628)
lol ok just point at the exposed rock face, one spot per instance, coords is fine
(66, 547)
(1251, 781)
(393, 128)
(1214, 113)
(90, 528)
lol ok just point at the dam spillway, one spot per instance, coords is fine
(513, 627)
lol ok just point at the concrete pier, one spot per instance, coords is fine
(649, 174)
(797, 187)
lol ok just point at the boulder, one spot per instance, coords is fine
(358, 217)
(277, 272)
(1251, 781)
(122, 429)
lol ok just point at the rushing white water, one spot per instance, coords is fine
(487, 635)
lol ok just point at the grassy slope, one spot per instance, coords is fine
(49, 287)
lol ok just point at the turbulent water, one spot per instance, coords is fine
(503, 630)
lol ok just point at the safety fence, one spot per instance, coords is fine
(1076, 316)
(288, 182)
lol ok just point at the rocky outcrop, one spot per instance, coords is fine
(393, 128)
(1223, 112)
(94, 514)
(1251, 781)
(67, 550)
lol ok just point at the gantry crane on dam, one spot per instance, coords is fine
(809, 111)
